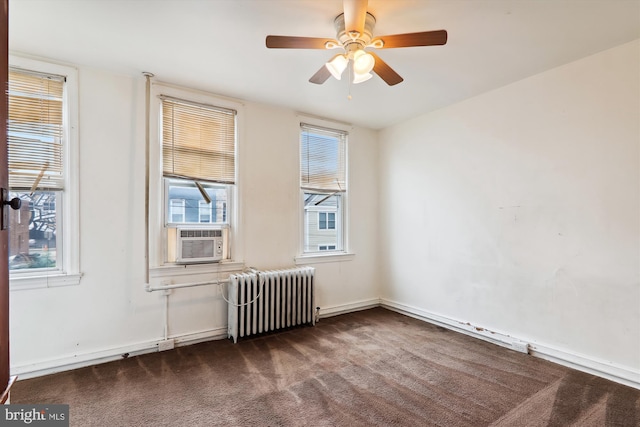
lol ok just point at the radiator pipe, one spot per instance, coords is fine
(166, 316)
(184, 285)
(147, 112)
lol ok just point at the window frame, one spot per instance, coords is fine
(341, 216)
(67, 272)
(159, 265)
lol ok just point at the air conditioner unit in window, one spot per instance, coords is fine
(200, 245)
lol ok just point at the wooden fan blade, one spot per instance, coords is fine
(355, 13)
(385, 72)
(287, 42)
(425, 38)
(320, 76)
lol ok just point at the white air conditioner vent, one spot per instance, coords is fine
(200, 233)
(200, 245)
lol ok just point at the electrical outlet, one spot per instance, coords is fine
(166, 345)
(520, 346)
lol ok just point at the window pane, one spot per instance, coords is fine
(33, 231)
(35, 130)
(322, 159)
(204, 211)
(321, 222)
(192, 208)
(176, 210)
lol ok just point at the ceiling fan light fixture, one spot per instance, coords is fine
(337, 66)
(355, 37)
(359, 78)
(363, 62)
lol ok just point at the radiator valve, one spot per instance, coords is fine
(317, 314)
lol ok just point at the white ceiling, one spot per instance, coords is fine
(219, 46)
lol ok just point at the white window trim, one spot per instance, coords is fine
(69, 274)
(343, 220)
(321, 257)
(157, 234)
(169, 271)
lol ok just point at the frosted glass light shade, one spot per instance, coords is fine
(363, 62)
(359, 78)
(337, 66)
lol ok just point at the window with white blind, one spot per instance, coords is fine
(323, 184)
(198, 163)
(41, 144)
(198, 141)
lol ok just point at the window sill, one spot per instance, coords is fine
(174, 270)
(317, 259)
(24, 282)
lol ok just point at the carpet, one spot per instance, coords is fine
(369, 368)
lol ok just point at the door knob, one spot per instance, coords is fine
(15, 203)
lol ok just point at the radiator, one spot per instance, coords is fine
(266, 301)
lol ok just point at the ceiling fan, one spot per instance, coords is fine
(354, 29)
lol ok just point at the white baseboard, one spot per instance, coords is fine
(498, 338)
(198, 337)
(37, 369)
(349, 308)
(582, 363)
(589, 365)
(47, 367)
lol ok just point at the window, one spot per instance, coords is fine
(198, 163)
(42, 146)
(326, 220)
(323, 186)
(204, 212)
(188, 206)
(176, 210)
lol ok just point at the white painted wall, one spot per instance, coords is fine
(518, 210)
(515, 211)
(109, 312)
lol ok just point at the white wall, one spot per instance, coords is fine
(515, 211)
(518, 211)
(109, 313)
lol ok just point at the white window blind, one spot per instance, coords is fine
(322, 159)
(35, 131)
(198, 141)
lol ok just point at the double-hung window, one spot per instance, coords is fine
(198, 163)
(323, 161)
(41, 143)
